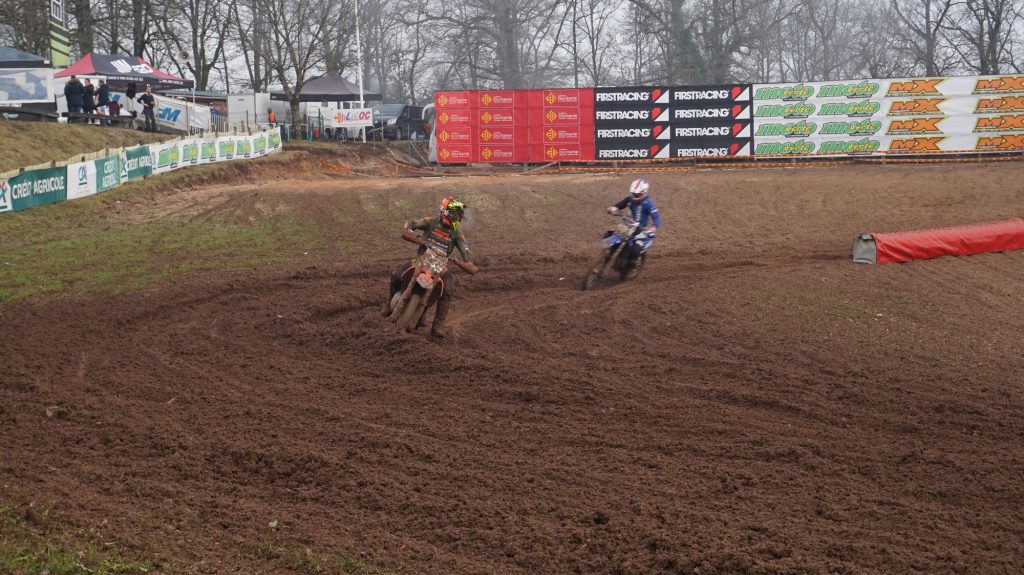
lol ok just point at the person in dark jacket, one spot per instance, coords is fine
(103, 99)
(89, 99)
(148, 108)
(74, 93)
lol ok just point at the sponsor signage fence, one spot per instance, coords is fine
(904, 115)
(514, 126)
(81, 179)
(33, 188)
(672, 122)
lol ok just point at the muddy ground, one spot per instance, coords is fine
(753, 403)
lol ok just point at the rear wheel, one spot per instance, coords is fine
(407, 321)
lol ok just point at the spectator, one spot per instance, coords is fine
(89, 99)
(148, 106)
(103, 100)
(271, 117)
(74, 93)
(114, 109)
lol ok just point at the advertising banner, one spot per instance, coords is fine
(189, 152)
(179, 114)
(659, 122)
(33, 188)
(903, 115)
(26, 86)
(453, 100)
(107, 172)
(348, 118)
(225, 148)
(891, 145)
(273, 140)
(166, 157)
(136, 163)
(207, 150)
(501, 99)
(81, 180)
(513, 126)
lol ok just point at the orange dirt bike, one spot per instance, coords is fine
(625, 245)
(422, 286)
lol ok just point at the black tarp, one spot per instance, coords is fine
(329, 88)
(11, 58)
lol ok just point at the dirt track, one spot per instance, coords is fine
(754, 403)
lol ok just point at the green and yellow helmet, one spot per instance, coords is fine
(452, 211)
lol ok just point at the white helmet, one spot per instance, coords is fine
(638, 189)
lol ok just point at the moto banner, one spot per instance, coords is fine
(166, 157)
(884, 144)
(208, 150)
(890, 107)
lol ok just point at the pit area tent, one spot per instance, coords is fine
(119, 71)
(329, 88)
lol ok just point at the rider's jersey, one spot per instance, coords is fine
(641, 211)
(437, 235)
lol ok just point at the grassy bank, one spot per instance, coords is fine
(31, 143)
(95, 244)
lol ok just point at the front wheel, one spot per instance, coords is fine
(595, 272)
(406, 321)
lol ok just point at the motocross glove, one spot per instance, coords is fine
(613, 210)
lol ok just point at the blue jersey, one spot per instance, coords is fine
(641, 211)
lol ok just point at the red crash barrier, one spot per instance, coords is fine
(925, 244)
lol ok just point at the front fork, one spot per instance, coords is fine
(396, 306)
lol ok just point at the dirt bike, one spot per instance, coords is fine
(422, 286)
(624, 245)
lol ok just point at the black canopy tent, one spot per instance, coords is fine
(120, 71)
(329, 88)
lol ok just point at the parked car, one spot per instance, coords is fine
(398, 122)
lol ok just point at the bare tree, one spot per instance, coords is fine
(297, 33)
(594, 23)
(924, 20)
(197, 28)
(25, 25)
(982, 33)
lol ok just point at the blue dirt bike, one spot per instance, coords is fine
(625, 245)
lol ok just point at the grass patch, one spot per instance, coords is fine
(127, 257)
(24, 551)
(30, 143)
(97, 245)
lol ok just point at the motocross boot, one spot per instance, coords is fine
(438, 329)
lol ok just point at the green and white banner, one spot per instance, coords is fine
(81, 179)
(136, 163)
(33, 188)
(108, 173)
